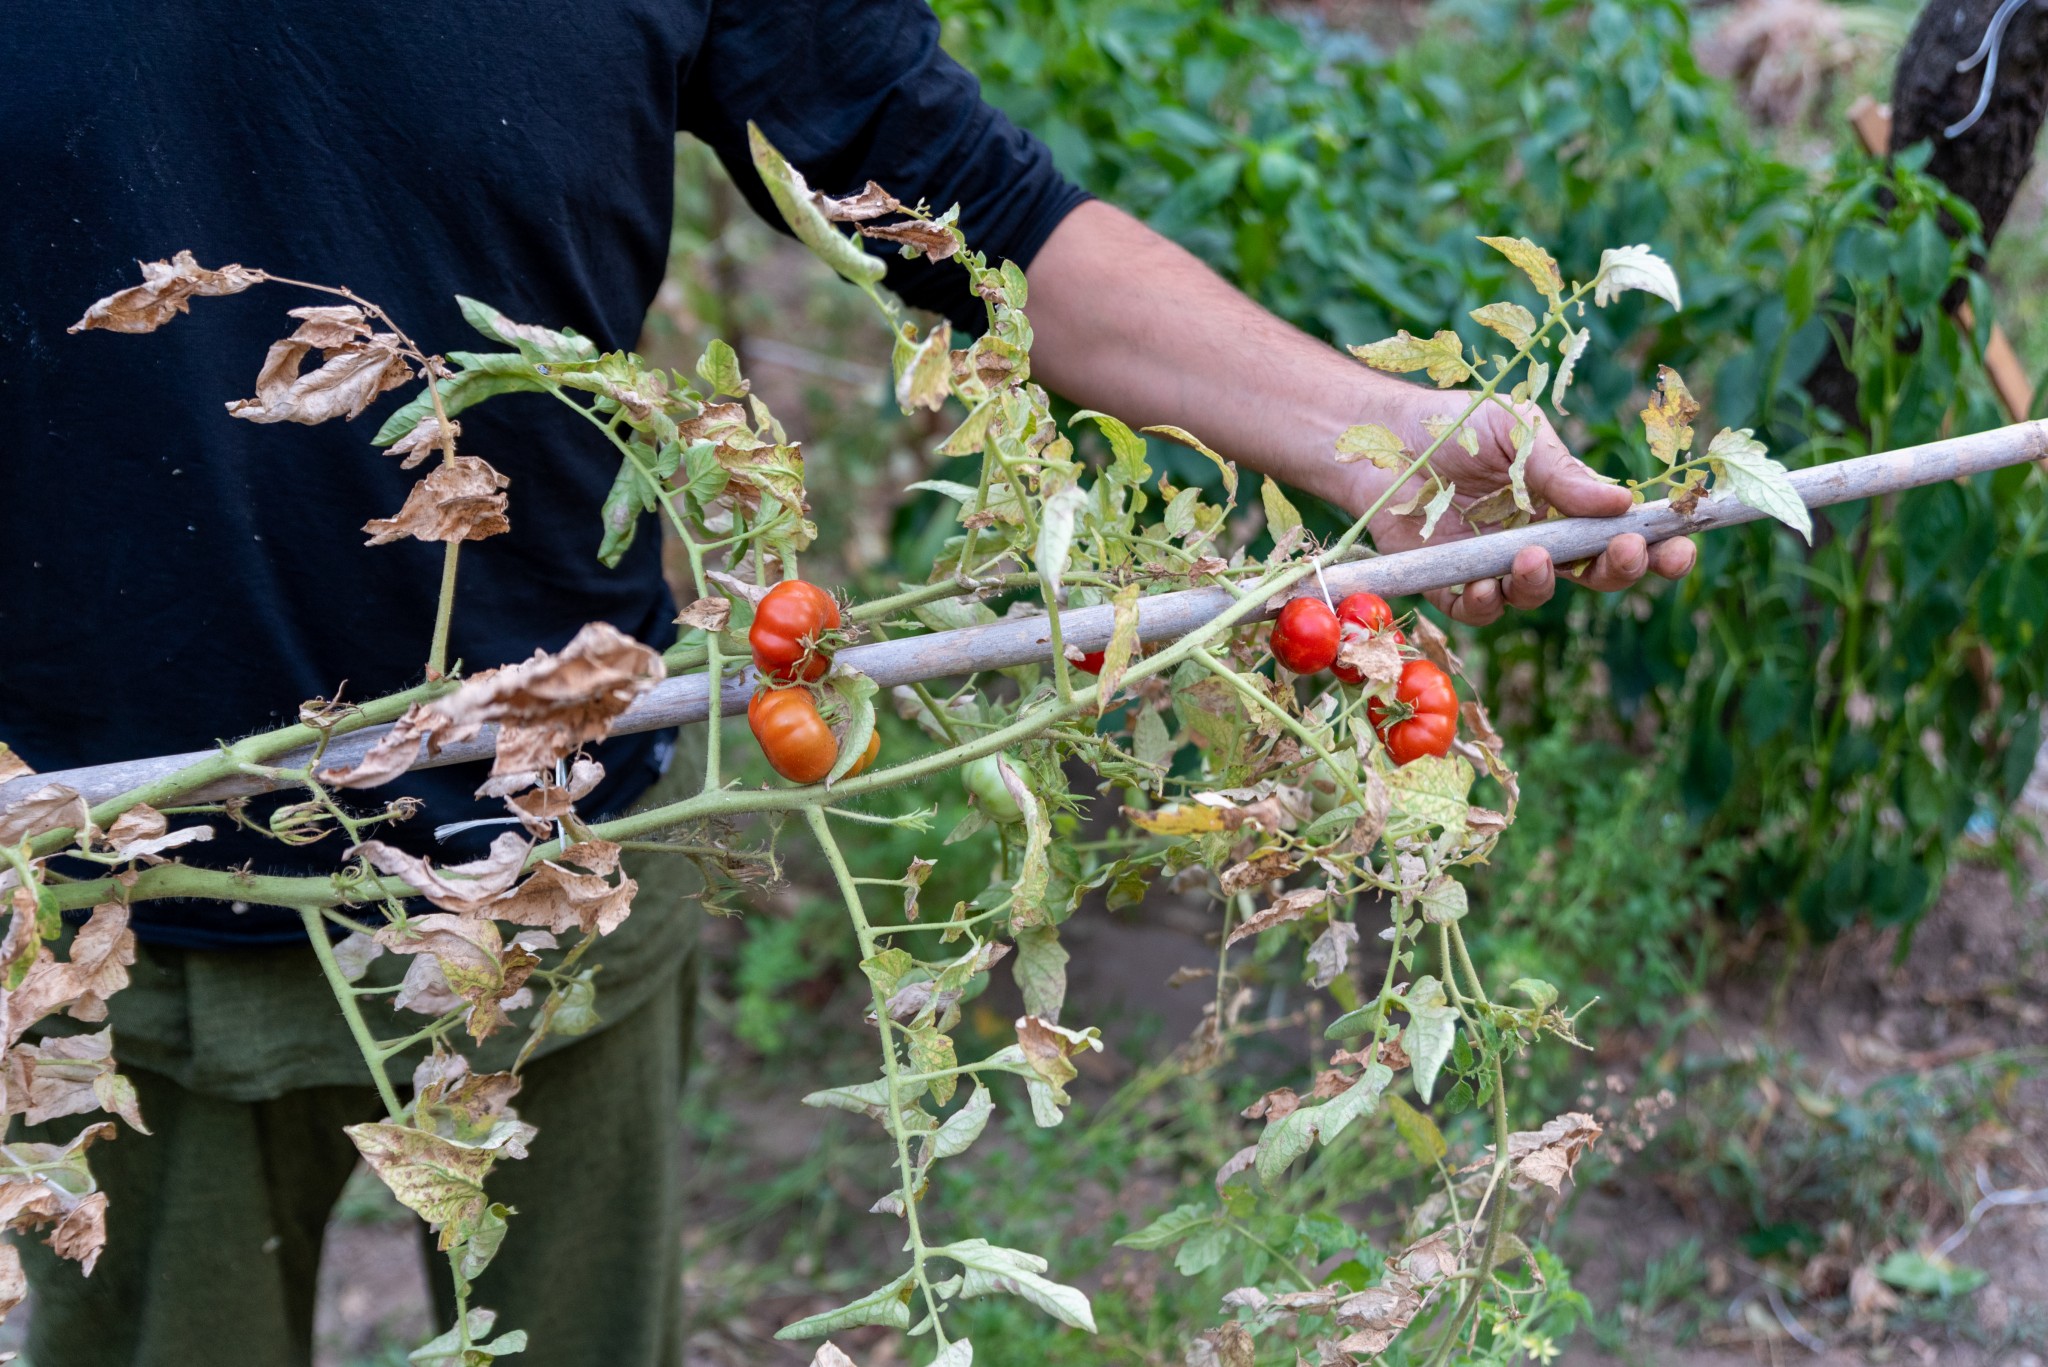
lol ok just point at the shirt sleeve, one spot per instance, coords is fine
(858, 90)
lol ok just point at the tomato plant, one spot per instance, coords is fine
(1276, 795)
(789, 622)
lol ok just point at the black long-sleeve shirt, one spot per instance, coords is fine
(170, 576)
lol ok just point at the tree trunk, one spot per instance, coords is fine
(1985, 164)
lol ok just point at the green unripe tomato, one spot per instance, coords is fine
(1326, 789)
(985, 785)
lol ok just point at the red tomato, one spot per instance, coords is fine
(798, 744)
(1365, 612)
(1433, 703)
(1090, 663)
(1305, 636)
(787, 624)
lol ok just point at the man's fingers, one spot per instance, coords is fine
(1532, 580)
(1480, 604)
(1568, 484)
(1617, 567)
(1675, 558)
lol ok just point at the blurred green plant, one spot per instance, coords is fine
(1837, 718)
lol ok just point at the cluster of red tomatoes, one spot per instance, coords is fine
(1306, 638)
(789, 623)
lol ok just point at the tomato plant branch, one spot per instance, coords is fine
(821, 829)
(345, 998)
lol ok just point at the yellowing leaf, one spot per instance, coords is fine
(1281, 515)
(1667, 421)
(1178, 819)
(1417, 1131)
(1442, 356)
(1739, 460)
(1511, 321)
(1122, 647)
(1373, 442)
(1186, 438)
(1536, 263)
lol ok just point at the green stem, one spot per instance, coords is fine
(345, 998)
(821, 829)
(444, 612)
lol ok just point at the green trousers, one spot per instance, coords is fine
(215, 1219)
(246, 1074)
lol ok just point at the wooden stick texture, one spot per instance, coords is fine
(918, 659)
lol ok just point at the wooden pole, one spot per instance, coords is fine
(917, 659)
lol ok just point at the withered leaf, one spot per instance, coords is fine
(1667, 421)
(50, 807)
(161, 296)
(466, 889)
(1288, 906)
(1277, 1104)
(561, 896)
(1330, 955)
(706, 614)
(1257, 871)
(459, 500)
(101, 954)
(540, 807)
(142, 832)
(1375, 1317)
(12, 765)
(462, 959)
(935, 242)
(423, 441)
(1372, 654)
(1548, 1155)
(546, 707)
(51, 1185)
(870, 201)
(13, 1280)
(329, 326)
(347, 381)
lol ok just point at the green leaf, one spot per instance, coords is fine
(1431, 1029)
(1040, 970)
(1169, 1229)
(482, 376)
(1442, 356)
(446, 1350)
(482, 1243)
(1432, 790)
(1442, 902)
(1541, 994)
(1536, 263)
(1929, 1274)
(1127, 448)
(1202, 1252)
(885, 1305)
(1417, 1131)
(793, 197)
(1352, 1024)
(621, 513)
(1434, 510)
(720, 368)
(1740, 460)
(1149, 739)
(1187, 438)
(1360, 1099)
(991, 1268)
(870, 1099)
(537, 342)
(1281, 515)
(857, 691)
(1056, 534)
(965, 1125)
(1370, 441)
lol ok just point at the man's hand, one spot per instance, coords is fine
(1556, 479)
(1128, 322)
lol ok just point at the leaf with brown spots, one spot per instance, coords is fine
(937, 243)
(1288, 906)
(572, 892)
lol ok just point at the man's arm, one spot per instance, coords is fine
(1126, 321)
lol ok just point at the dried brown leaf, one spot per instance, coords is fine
(539, 808)
(1257, 871)
(573, 892)
(870, 201)
(1288, 906)
(1548, 1155)
(12, 765)
(1372, 654)
(50, 807)
(161, 296)
(459, 500)
(423, 441)
(347, 381)
(461, 959)
(706, 614)
(467, 889)
(935, 242)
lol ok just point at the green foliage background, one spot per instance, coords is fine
(1825, 725)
